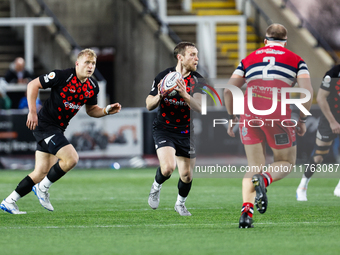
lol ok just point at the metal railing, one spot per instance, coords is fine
(62, 30)
(205, 33)
(28, 24)
(321, 42)
(151, 7)
(44, 9)
(259, 13)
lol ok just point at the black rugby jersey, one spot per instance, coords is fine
(173, 112)
(67, 96)
(331, 83)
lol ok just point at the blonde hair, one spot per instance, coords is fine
(87, 52)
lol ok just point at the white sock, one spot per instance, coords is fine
(180, 199)
(338, 186)
(45, 184)
(156, 185)
(13, 197)
(304, 182)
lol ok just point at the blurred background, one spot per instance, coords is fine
(134, 41)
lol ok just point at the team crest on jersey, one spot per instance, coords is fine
(51, 75)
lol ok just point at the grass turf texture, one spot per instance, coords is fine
(106, 212)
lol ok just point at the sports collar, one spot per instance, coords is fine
(274, 44)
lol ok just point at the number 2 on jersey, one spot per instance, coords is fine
(271, 63)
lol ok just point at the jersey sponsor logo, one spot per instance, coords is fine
(72, 106)
(175, 102)
(265, 89)
(270, 51)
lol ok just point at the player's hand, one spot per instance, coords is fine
(113, 108)
(32, 121)
(181, 87)
(335, 126)
(301, 128)
(159, 90)
(230, 126)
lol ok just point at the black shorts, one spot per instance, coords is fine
(183, 144)
(50, 140)
(324, 132)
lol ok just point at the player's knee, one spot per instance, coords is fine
(167, 170)
(72, 161)
(318, 159)
(186, 177)
(320, 152)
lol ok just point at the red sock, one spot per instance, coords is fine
(248, 208)
(267, 179)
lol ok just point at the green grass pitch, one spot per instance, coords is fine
(106, 212)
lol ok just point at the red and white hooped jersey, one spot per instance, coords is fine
(272, 66)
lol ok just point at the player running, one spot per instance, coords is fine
(55, 156)
(328, 129)
(172, 128)
(265, 71)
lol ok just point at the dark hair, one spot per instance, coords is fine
(181, 47)
(277, 31)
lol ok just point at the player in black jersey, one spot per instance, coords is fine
(172, 130)
(328, 99)
(55, 156)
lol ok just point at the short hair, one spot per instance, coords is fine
(181, 47)
(277, 31)
(87, 52)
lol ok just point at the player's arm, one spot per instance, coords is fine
(96, 111)
(152, 101)
(303, 81)
(235, 80)
(32, 95)
(238, 81)
(321, 98)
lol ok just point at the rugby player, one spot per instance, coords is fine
(172, 128)
(55, 156)
(328, 129)
(272, 66)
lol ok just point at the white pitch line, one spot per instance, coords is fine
(106, 226)
(159, 225)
